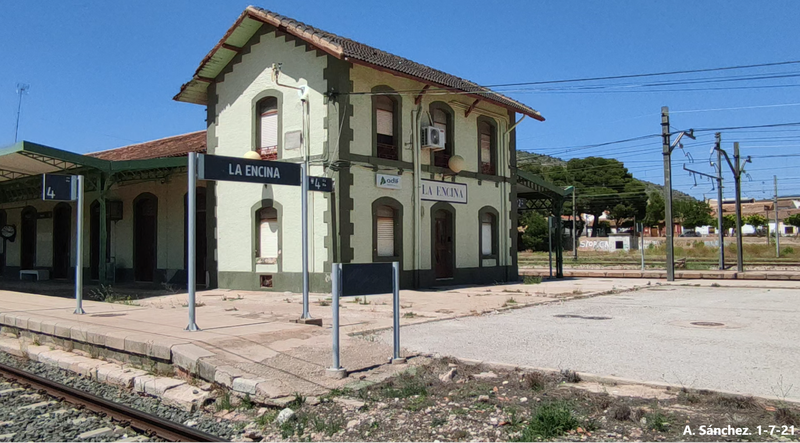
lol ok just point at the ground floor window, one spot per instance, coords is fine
(788, 229)
(268, 227)
(488, 232)
(385, 229)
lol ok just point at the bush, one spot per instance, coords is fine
(551, 420)
(787, 250)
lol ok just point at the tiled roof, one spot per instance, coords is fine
(353, 51)
(175, 146)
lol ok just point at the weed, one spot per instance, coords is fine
(223, 403)
(577, 292)
(336, 392)
(551, 420)
(409, 314)
(460, 434)
(785, 417)
(327, 426)
(637, 414)
(532, 279)
(267, 418)
(418, 403)
(735, 401)
(511, 301)
(570, 376)
(356, 300)
(197, 304)
(715, 285)
(36, 341)
(535, 381)
(438, 421)
(247, 402)
(621, 413)
(403, 387)
(657, 421)
(170, 287)
(297, 402)
(324, 303)
(107, 294)
(232, 308)
(297, 426)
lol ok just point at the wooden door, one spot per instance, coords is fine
(443, 244)
(62, 240)
(144, 237)
(28, 239)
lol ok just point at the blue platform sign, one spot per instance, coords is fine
(59, 188)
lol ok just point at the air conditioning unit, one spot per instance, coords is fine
(433, 138)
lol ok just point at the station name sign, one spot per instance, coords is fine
(215, 167)
(444, 191)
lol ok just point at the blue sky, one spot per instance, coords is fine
(103, 74)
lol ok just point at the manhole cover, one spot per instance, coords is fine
(707, 323)
(584, 317)
(107, 315)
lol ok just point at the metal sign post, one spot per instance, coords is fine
(70, 188)
(353, 279)
(191, 239)
(304, 229)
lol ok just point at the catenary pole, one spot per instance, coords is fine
(667, 153)
(721, 232)
(776, 230)
(574, 234)
(79, 246)
(738, 182)
(191, 238)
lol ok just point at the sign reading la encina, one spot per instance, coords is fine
(444, 191)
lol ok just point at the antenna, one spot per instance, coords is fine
(22, 88)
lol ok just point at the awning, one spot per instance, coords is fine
(533, 187)
(26, 159)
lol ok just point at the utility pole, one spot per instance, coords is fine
(22, 89)
(738, 182)
(574, 234)
(720, 218)
(667, 148)
(776, 230)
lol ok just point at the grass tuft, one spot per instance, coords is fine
(550, 420)
(532, 279)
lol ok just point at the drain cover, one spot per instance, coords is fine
(707, 323)
(582, 317)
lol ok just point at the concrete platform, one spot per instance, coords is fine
(662, 274)
(250, 341)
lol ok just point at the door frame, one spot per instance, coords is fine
(56, 209)
(28, 209)
(446, 207)
(139, 198)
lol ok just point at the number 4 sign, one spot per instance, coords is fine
(59, 187)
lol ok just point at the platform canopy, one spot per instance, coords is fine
(22, 165)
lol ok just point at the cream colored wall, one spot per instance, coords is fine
(170, 225)
(480, 194)
(233, 135)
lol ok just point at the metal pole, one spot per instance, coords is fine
(574, 234)
(79, 247)
(776, 230)
(550, 243)
(667, 153)
(336, 270)
(191, 238)
(396, 359)
(738, 178)
(642, 248)
(304, 234)
(721, 233)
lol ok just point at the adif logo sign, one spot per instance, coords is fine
(387, 181)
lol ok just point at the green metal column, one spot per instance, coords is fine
(103, 230)
(558, 207)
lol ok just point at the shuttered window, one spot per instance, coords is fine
(384, 127)
(385, 231)
(441, 120)
(268, 128)
(485, 135)
(487, 234)
(268, 233)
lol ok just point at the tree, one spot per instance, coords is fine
(692, 213)
(656, 207)
(601, 184)
(793, 220)
(622, 212)
(755, 220)
(728, 222)
(535, 235)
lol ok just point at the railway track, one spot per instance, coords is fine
(651, 262)
(138, 420)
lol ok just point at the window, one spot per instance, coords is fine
(486, 142)
(384, 216)
(488, 222)
(442, 119)
(387, 231)
(788, 229)
(385, 128)
(711, 230)
(268, 226)
(619, 245)
(268, 128)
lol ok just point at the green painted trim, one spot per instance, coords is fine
(513, 204)
(281, 282)
(255, 128)
(377, 161)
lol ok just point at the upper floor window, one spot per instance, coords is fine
(486, 144)
(268, 128)
(442, 119)
(268, 230)
(387, 137)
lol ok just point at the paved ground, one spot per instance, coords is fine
(680, 275)
(646, 335)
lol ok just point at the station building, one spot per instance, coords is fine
(423, 163)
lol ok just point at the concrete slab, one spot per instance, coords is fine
(186, 356)
(186, 397)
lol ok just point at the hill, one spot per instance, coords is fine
(537, 162)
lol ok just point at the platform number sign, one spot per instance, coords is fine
(320, 184)
(59, 187)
